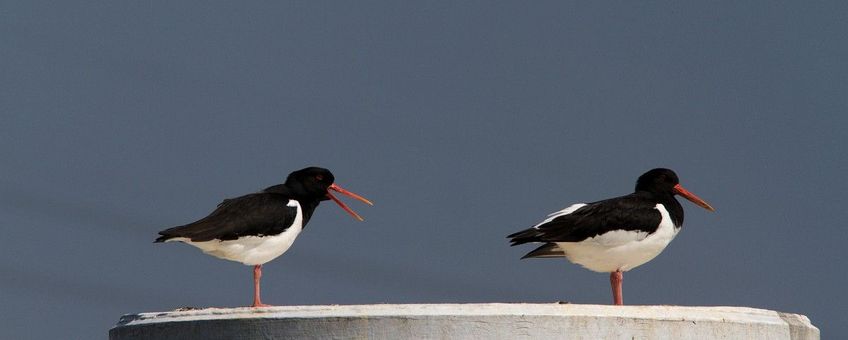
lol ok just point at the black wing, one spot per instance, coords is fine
(631, 212)
(253, 214)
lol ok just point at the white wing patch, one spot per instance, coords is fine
(562, 212)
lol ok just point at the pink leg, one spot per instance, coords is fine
(257, 275)
(616, 278)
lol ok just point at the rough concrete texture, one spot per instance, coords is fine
(467, 321)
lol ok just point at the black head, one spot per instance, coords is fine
(665, 181)
(311, 183)
(658, 180)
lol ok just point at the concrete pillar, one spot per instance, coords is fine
(467, 321)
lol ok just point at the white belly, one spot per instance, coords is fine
(253, 250)
(621, 250)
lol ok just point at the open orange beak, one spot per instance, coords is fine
(342, 191)
(691, 197)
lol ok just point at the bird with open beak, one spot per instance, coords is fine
(256, 228)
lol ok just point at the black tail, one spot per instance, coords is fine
(525, 236)
(546, 250)
(169, 233)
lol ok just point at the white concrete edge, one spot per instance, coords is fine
(673, 313)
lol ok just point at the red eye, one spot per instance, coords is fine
(319, 177)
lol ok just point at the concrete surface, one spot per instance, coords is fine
(467, 321)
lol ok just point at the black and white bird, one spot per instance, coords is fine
(617, 234)
(256, 228)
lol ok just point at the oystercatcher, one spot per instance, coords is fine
(617, 234)
(256, 228)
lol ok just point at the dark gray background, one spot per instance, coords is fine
(463, 122)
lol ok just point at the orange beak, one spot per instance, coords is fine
(342, 191)
(691, 197)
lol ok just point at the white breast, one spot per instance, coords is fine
(621, 250)
(253, 250)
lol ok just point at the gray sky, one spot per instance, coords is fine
(463, 122)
